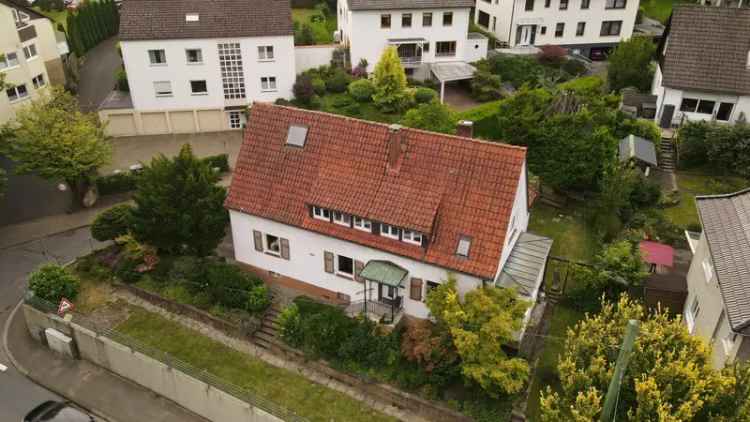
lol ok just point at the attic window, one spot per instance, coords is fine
(464, 243)
(192, 17)
(296, 136)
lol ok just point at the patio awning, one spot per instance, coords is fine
(657, 253)
(527, 260)
(453, 71)
(406, 40)
(384, 272)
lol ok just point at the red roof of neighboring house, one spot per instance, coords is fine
(444, 186)
(657, 253)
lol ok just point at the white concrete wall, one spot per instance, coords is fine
(306, 261)
(312, 56)
(511, 13)
(476, 49)
(142, 75)
(519, 219)
(368, 40)
(674, 97)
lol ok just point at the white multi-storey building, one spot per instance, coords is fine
(374, 216)
(196, 66)
(31, 52)
(427, 34)
(587, 27)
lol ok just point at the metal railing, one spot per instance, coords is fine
(386, 312)
(247, 394)
(411, 59)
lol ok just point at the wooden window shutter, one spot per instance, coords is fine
(415, 291)
(358, 267)
(258, 239)
(285, 248)
(328, 261)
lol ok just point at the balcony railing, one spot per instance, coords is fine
(411, 59)
(385, 312)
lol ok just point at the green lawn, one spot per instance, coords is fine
(573, 239)
(322, 31)
(297, 393)
(546, 370)
(344, 104)
(660, 9)
(691, 185)
(57, 16)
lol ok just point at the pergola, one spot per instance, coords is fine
(451, 71)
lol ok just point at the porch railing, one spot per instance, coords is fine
(384, 312)
(410, 59)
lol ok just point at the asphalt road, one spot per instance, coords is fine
(18, 394)
(98, 74)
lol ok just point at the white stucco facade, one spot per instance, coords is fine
(176, 70)
(704, 311)
(708, 106)
(535, 22)
(307, 262)
(366, 37)
(31, 54)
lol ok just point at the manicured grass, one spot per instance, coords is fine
(660, 9)
(293, 391)
(322, 31)
(57, 16)
(568, 227)
(546, 371)
(691, 185)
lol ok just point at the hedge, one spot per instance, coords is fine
(91, 23)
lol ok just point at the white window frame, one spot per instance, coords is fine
(428, 287)
(413, 237)
(38, 81)
(267, 244)
(268, 83)
(387, 230)
(7, 63)
(151, 57)
(187, 56)
(363, 224)
(463, 240)
(342, 218)
(18, 96)
(321, 213)
(450, 53)
(28, 50)
(163, 93)
(342, 273)
(708, 269)
(235, 120)
(265, 53)
(692, 308)
(198, 92)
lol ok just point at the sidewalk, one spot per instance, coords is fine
(100, 391)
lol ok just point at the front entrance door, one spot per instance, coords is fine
(526, 34)
(386, 294)
(666, 116)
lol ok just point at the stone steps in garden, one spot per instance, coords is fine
(268, 334)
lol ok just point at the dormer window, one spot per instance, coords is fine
(342, 219)
(362, 224)
(464, 244)
(192, 17)
(412, 237)
(321, 213)
(387, 230)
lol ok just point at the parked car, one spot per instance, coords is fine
(55, 411)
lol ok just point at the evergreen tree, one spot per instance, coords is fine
(179, 206)
(389, 79)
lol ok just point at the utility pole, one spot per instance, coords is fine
(610, 401)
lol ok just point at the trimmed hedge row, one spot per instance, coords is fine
(126, 181)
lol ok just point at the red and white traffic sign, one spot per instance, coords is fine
(65, 306)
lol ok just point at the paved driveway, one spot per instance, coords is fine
(97, 75)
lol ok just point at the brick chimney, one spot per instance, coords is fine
(396, 146)
(465, 128)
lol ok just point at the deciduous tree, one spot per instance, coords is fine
(670, 376)
(431, 116)
(52, 138)
(179, 206)
(390, 82)
(630, 64)
(479, 326)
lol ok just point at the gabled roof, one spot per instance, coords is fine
(165, 19)
(23, 6)
(446, 186)
(408, 4)
(726, 225)
(636, 147)
(707, 49)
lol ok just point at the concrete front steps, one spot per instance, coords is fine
(268, 334)
(666, 162)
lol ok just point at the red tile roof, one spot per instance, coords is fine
(446, 186)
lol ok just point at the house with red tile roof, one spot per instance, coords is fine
(373, 216)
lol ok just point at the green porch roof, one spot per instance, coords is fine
(384, 272)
